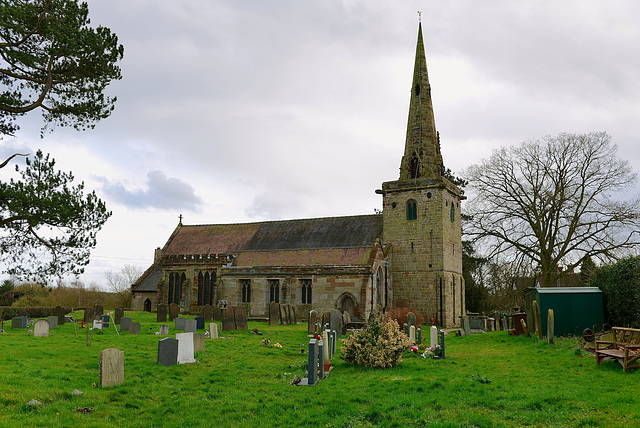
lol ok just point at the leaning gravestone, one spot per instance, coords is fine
(312, 322)
(161, 314)
(199, 323)
(207, 313)
(111, 367)
(134, 328)
(335, 322)
(198, 342)
(168, 351)
(283, 315)
(180, 323)
(185, 348)
(287, 311)
(411, 319)
(41, 328)
(174, 309)
(274, 313)
(190, 326)
(241, 318)
(117, 318)
(60, 312)
(228, 319)
(294, 315)
(125, 322)
(53, 321)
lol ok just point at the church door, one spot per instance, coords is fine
(147, 305)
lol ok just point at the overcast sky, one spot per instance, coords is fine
(241, 111)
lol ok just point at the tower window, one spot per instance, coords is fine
(412, 210)
(414, 167)
(453, 213)
(417, 89)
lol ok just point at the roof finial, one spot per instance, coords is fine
(180, 217)
(419, 16)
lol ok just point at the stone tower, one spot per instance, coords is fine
(421, 216)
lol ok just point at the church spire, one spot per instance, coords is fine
(422, 158)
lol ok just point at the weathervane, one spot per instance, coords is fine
(419, 16)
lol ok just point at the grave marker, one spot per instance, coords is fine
(411, 319)
(134, 328)
(164, 329)
(335, 322)
(536, 320)
(97, 325)
(174, 309)
(41, 328)
(321, 359)
(89, 315)
(207, 313)
(294, 315)
(466, 325)
(168, 351)
(241, 317)
(213, 330)
(185, 348)
(161, 313)
(198, 342)
(312, 365)
(412, 334)
(434, 336)
(111, 367)
(199, 323)
(19, 322)
(60, 312)
(228, 319)
(312, 322)
(99, 310)
(53, 321)
(190, 326)
(419, 336)
(274, 313)
(105, 321)
(117, 318)
(283, 315)
(125, 322)
(550, 326)
(180, 323)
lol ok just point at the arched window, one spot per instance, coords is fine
(412, 210)
(414, 167)
(212, 284)
(452, 213)
(170, 293)
(246, 290)
(175, 287)
(200, 288)
(274, 290)
(306, 291)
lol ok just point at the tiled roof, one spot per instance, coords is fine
(307, 234)
(149, 280)
(318, 257)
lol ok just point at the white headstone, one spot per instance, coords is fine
(434, 335)
(185, 348)
(412, 334)
(213, 330)
(97, 325)
(41, 328)
(326, 348)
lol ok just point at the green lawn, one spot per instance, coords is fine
(240, 382)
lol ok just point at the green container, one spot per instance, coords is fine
(574, 308)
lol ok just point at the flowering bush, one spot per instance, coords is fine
(379, 344)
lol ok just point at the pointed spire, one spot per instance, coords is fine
(422, 158)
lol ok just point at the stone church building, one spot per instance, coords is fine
(410, 255)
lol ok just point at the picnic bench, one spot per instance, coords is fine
(625, 348)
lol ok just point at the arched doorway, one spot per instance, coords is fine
(147, 305)
(348, 305)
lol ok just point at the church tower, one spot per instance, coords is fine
(421, 216)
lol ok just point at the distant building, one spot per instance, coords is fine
(408, 256)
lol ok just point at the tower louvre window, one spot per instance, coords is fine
(412, 210)
(414, 167)
(417, 89)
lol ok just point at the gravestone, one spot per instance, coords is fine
(207, 313)
(89, 315)
(283, 315)
(434, 336)
(411, 319)
(125, 322)
(312, 322)
(99, 310)
(294, 315)
(441, 357)
(180, 323)
(97, 325)
(274, 313)
(523, 323)
(161, 314)
(334, 335)
(346, 317)
(168, 351)
(164, 329)
(217, 314)
(326, 318)
(111, 367)
(505, 323)
(287, 310)
(53, 321)
(89, 336)
(241, 318)
(312, 365)
(41, 328)
(412, 334)
(185, 348)
(117, 318)
(199, 323)
(405, 329)
(60, 312)
(174, 309)
(466, 325)
(550, 326)
(335, 322)
(213, 330)
(228, 319)
(190, 326)
(321, 360)
(19, 322)
(536, 319)
(419, 336)
(327, 347)
(198, 342)
(105, 320)
(134, 328)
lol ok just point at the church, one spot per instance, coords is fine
(408, 256)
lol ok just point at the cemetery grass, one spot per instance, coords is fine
(490, 380)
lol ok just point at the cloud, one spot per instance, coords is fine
(162, 192)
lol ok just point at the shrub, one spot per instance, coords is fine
(620, 285)
(379, 344)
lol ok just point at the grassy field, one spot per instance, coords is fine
(239, 382)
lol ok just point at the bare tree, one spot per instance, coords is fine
(554, 202)
(120, 282)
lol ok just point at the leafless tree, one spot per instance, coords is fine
(120, 282)
(554, 202)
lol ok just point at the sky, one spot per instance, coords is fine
(241, 111)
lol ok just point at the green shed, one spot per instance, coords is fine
(574, 308)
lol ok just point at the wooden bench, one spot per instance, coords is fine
(625, 348)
